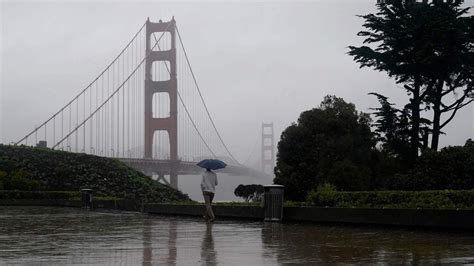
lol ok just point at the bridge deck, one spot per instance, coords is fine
(149, 166)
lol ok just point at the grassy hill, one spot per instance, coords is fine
(28, 168)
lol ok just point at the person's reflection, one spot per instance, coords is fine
(208, 254)
(147, 248)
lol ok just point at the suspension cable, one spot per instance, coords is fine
(113, 93)
(202, 99)
(88, 86)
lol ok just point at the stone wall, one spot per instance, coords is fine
(458, 219)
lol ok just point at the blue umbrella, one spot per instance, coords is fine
(212, 164)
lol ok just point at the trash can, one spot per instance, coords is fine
(86, 194)
(273, 202)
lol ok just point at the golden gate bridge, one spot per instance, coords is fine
(146, 109)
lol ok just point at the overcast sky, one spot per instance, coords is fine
(255, 62)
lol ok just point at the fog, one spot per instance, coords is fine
(255, 62)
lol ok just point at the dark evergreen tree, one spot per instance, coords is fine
(427, 47)
(392, 128)
(451, 62)
(330, 144)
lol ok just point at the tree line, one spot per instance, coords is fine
(427, 48)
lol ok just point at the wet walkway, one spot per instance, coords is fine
(43, 235)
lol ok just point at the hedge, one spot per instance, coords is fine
(435, 199)
(49, 195)
(17, 194)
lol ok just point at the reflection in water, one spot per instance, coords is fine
(172, 251)
(208, 253)
(43, 235)
(170, 258)
(147, 245)
(306, 243)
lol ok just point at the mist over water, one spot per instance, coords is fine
(190, 184)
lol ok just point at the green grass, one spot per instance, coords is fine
(29, 169)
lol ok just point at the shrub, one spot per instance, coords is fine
(324, 193)
(450, 168)
(249, 192)
(438, 199)
(3, 175)
(21, 180)
(326, 188)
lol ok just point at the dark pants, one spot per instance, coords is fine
(208, 197)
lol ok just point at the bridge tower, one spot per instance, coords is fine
(170, 123)
(268, 148)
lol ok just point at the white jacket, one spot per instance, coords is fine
(209, 181)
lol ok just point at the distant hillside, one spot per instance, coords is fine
(28, 168)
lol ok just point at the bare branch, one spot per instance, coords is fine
(454, 105)
(408, 88)
(454, 113)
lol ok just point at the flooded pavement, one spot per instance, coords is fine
(44, 235)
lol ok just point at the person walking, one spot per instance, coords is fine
(208, 187)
